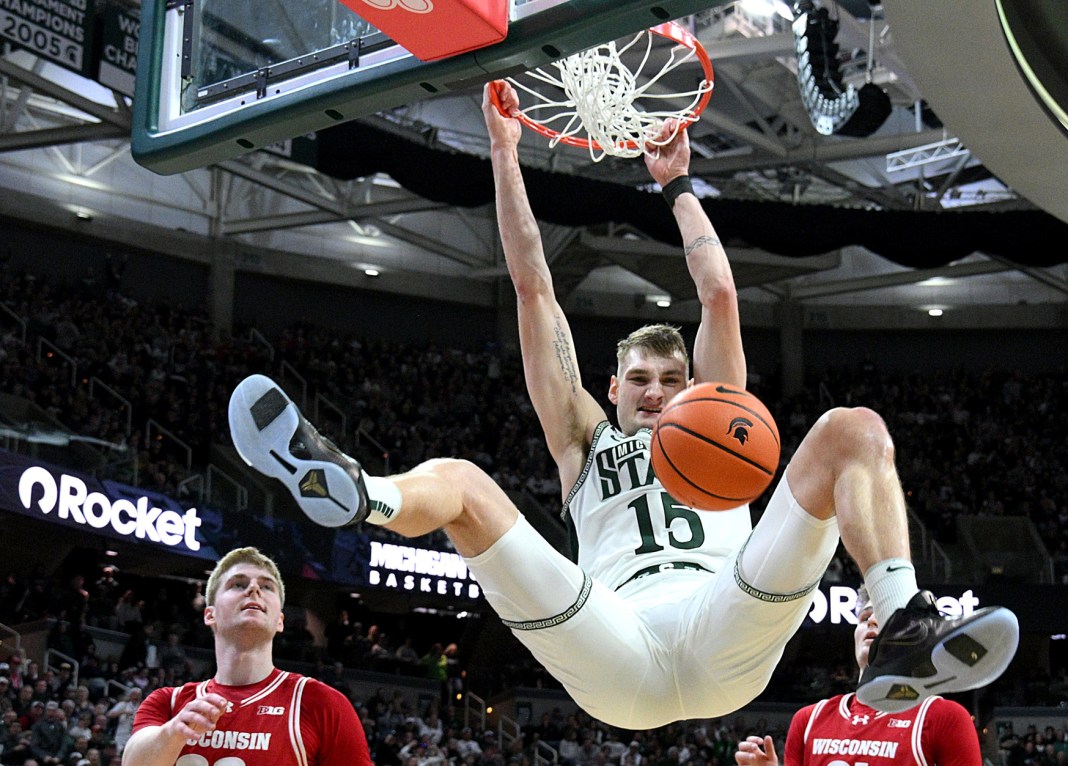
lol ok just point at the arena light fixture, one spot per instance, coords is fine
(758, 7)
(833, 106)
(936, 282)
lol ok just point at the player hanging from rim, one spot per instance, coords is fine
(937, 732)
(250, 712)
(697, 606)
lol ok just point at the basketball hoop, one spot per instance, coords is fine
(613, 99)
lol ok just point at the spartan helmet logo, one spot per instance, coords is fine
(739, 429)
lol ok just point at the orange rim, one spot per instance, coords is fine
(671, 31)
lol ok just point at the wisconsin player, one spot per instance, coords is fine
(696, 606)
(842, 730)
(250, 712)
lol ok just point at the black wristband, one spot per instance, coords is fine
(680, 185)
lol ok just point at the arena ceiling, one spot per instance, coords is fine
(955, 202)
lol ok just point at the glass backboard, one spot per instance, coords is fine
(219, 78)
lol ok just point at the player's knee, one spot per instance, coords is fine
(454, 472)
(460, 476)
(856, 433)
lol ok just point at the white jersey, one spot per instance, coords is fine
(625, 524)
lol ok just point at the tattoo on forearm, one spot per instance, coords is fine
(701, 242)
(564, 356)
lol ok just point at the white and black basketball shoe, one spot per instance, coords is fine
(920, 653)
(272, 436)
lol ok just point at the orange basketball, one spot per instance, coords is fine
(715, 447)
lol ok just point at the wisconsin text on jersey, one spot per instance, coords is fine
(871, 747)
(233, 740)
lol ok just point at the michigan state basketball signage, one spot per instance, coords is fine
(58, 30)
(420, 571)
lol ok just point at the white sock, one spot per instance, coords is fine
(891, 584)
(384, 497)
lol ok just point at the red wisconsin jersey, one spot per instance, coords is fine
(285, 720)
(842, 732)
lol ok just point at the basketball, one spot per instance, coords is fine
(715, 447)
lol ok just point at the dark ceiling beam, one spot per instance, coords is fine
(71, 134)
(359, 213)
(831, 150)
(1039, 275)
(314, 199)
(430, 244)
(901, 278)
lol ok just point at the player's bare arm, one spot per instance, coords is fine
(718, 354)
(567, 412)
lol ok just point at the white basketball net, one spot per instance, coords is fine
(618, 108)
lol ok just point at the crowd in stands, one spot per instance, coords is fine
(988, 442)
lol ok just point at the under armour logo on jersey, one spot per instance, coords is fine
(898, 723)
(861, 720)
(270, 710)
(739, 429)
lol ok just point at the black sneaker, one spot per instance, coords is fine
(920, 653)
(273, 437)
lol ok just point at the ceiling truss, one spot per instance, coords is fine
(756, 146)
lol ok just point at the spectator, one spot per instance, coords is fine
(49, 740)
(406, 654)
(466, 745)
(339, 636)
(20, 751)
(436, 665)
(105, 597)
(10, 729)
(64, 680)
(173, 658)
(122, 713)
(632, 756)
(432, 726)
(454, 684)
(337, 680)
(128, 612)
(569, 747)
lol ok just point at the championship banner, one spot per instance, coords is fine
(117, 67)
(58, 30)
